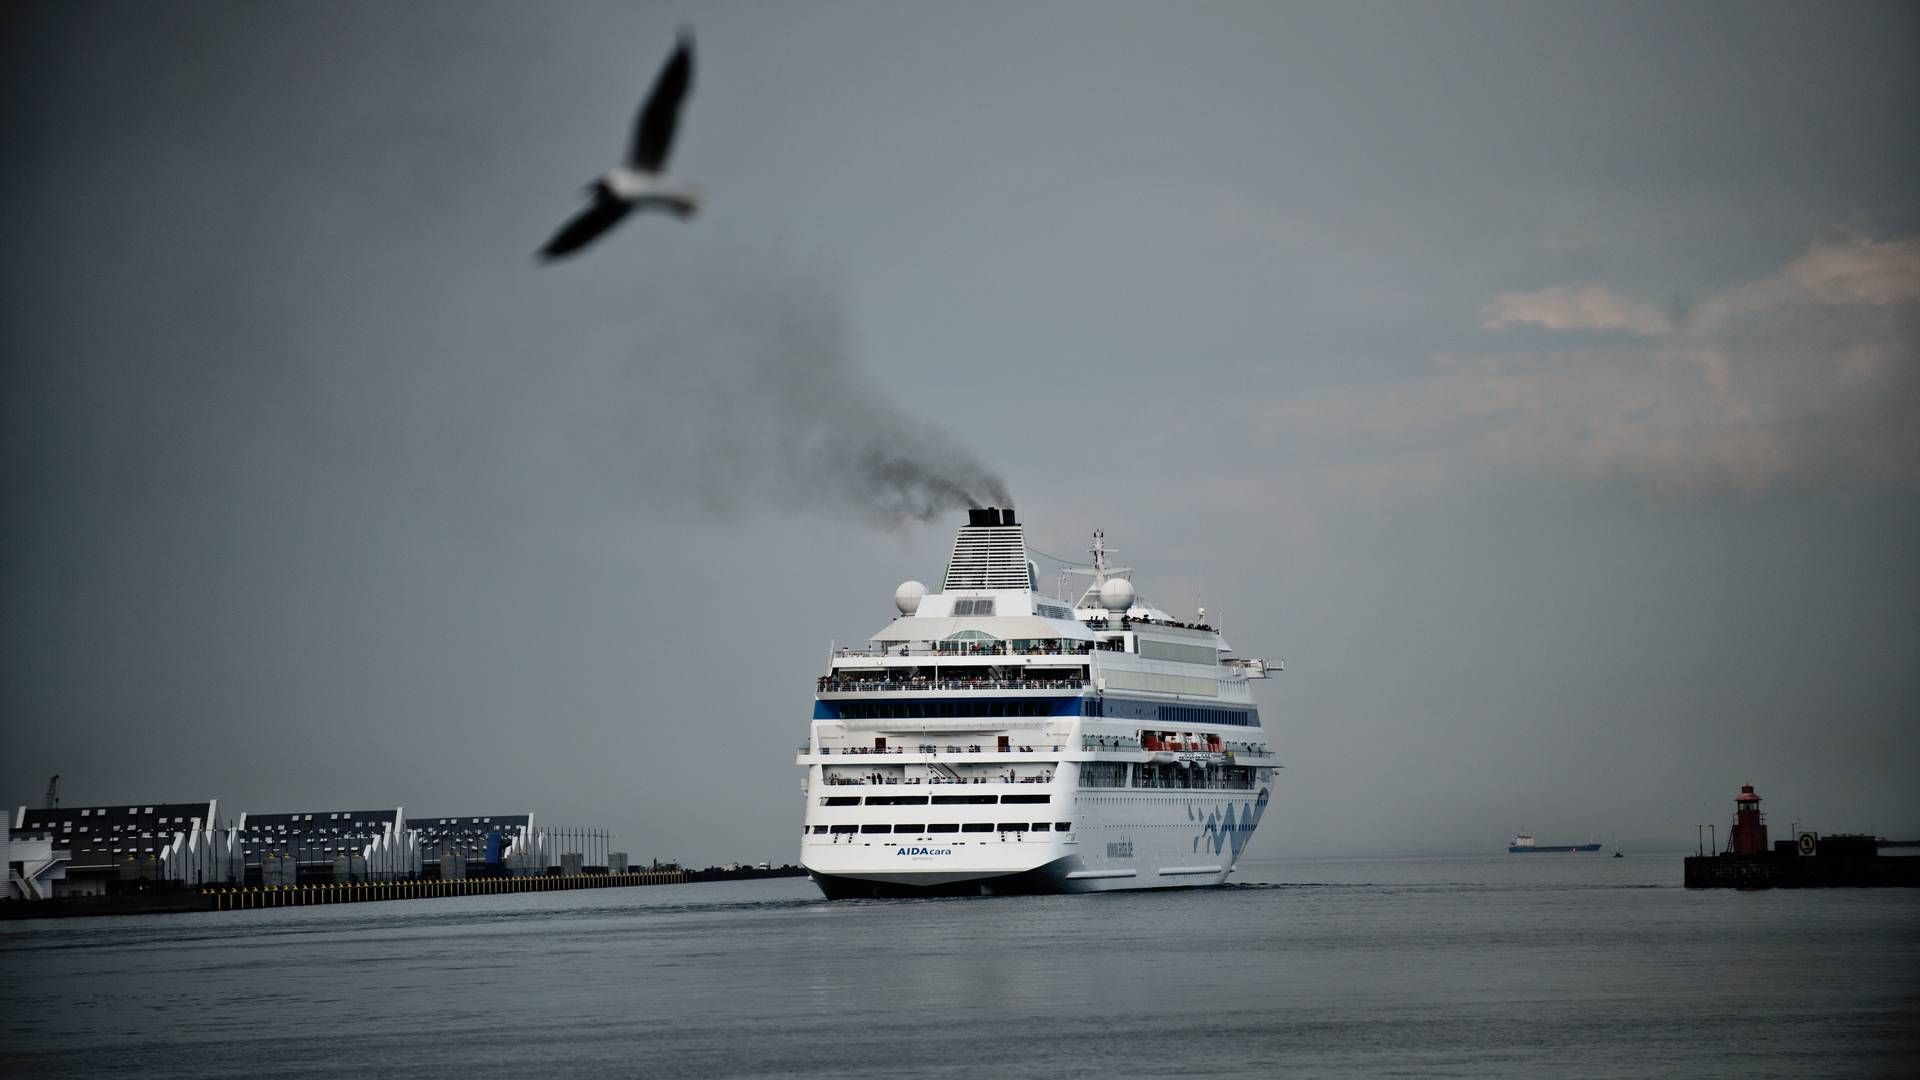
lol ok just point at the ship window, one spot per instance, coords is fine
(965, 800)
(896, 800)
(1063, 826)
(1039, 826)
(843, 828)
(946, 709)
(841, 800)
(973, 606)
(1013, 826)
(977, 826)
(1026, 798)
(998, 708)
(912, 830)
(949, 827)
(875, 828)
(818, 829)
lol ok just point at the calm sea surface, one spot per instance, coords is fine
(1513, 965)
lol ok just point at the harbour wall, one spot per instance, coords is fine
(253, 897)
(1778, 870)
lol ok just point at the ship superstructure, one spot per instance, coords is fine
(993, 739)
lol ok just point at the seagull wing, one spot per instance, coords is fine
(653, 132)
(605, 212)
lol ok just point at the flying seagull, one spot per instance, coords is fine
(638, 184)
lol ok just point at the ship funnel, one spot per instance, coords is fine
(989, 553)
(989, 517)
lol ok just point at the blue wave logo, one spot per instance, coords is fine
(1222, 828)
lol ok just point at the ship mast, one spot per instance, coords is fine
(1099, 570)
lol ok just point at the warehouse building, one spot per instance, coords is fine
(105, 844)
(95, 850)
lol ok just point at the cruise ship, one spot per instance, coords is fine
(996, 740)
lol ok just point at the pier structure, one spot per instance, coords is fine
(1809, 860)
(249, 898)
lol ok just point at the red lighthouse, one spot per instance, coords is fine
(1749, 836)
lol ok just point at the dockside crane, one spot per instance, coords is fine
(53, 793)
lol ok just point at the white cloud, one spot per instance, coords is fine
(1809, 375)
(1565, 307)
(1863, 272)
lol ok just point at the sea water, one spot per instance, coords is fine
(1487, 965)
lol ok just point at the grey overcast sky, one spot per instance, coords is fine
(1538, 380)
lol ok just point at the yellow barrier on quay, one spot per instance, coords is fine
(250, 897)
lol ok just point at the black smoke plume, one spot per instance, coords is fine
(746, 392)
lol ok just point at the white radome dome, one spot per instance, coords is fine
(1116, 594)
(907, 597)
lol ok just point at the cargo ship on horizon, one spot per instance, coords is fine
(1524, 844)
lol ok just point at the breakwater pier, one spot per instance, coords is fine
(245, 898)
(163, 899)
(1835, 861)
(1809, 860)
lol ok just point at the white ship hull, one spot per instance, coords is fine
(1126, 839)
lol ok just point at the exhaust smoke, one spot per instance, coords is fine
(746, 392)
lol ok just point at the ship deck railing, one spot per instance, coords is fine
(911, 781)
(936, 749)
(1001, 649)
(1128, 622)
(1090, 743)
(827, 684)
